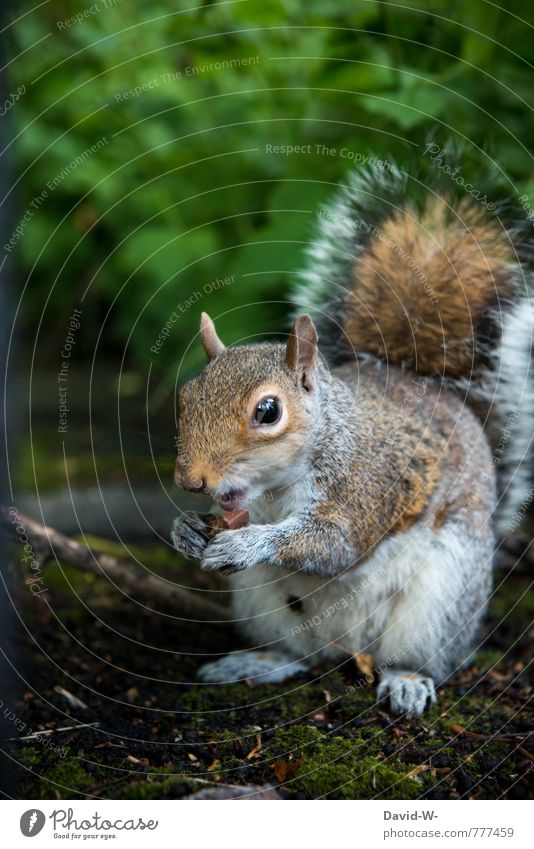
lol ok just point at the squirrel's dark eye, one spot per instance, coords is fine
(267, 412)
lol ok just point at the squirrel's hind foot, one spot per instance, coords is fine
(257, 667)
(408, 692)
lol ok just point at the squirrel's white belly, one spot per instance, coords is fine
(306, 615)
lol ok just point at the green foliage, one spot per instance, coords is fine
(182, 188)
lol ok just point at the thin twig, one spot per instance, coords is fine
(37, 734)
(73, 701)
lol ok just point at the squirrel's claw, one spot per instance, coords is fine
(189, 535)
(228, 552)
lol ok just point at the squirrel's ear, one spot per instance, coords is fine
(208, 336)
(301, 349)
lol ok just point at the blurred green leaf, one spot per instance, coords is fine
(184, 190)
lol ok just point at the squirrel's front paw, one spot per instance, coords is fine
(233, 551)
(189, 535)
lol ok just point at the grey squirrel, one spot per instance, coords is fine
(379, 463)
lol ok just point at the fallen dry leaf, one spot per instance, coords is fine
(283, 769)
(364, 665)
(364, 662)
(132, 694)
(397, 733)
(421, 768)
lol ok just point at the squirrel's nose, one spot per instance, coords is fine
(193, 484)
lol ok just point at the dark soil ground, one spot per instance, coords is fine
(148, 730)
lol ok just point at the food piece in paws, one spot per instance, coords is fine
(230, 521)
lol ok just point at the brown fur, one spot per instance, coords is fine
(403, 462)
(409, 421)
(423, 284)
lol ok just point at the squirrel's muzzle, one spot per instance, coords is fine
(189, 482)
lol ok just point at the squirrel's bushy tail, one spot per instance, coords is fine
(432, 273)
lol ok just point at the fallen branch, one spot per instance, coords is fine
(49, 544)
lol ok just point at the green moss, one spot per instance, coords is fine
(488, 658)
(295, 739)
(46, 775)
(28, 757)
(307, 698)
(339, 767)
(59, 578)
(158, 558)
(151, 787)
(356, 702)
(470, 712)
(159, 554)
(214, 698)
(68, 778)
(71, 775)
